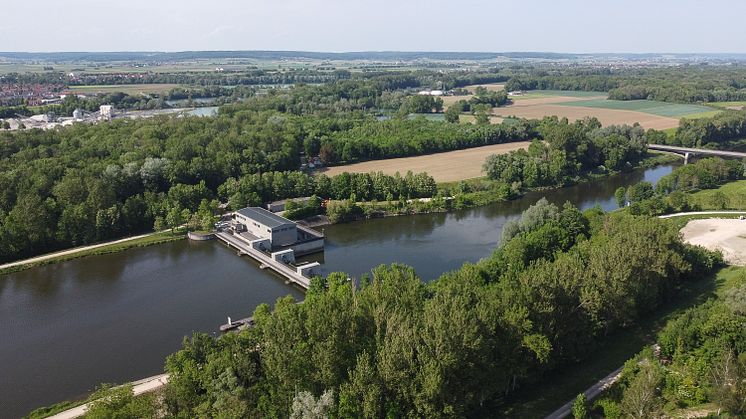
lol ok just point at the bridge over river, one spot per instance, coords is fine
(687, 152)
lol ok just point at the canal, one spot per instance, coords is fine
(113, 318)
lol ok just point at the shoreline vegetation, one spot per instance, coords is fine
(517, 345)
(482, 193)
(465, 194)
(100, 249)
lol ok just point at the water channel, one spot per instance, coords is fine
(113, 318)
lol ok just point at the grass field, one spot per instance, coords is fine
(734, 194)
(428, 116)
(444, 167)
(130, 89)
(728, 105)
(708, 114)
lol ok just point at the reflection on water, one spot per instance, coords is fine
(437, 243)
(113, 318)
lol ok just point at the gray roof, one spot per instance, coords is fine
(264, 217)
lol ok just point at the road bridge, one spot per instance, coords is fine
(688, 152)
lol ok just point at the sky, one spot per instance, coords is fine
(384, 25)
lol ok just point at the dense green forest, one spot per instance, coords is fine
(88, 183)
(715, 131)
(390, 345)
(699, 362)
(569, 150)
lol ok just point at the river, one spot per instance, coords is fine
(114, 318)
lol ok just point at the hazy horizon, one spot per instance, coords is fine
(573, 26)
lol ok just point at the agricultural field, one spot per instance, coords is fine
(450, 166)
(450, 100)
(493, 87)
(674, 110)
(130, 89)
(538, 94)
(577, 105)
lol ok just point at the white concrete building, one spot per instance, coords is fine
(263, 224)
(106, 111)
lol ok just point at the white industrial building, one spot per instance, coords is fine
(106, 111)
(261, 223)
(431, 93)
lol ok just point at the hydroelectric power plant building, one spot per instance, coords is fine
(270, 232)
(261, 223)
(273, 241)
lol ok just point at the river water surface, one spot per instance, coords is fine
(67, 327)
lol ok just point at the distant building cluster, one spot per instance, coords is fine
(13, 94)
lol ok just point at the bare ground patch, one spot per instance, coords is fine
(444, 167)
(491, 87)
(726, 235)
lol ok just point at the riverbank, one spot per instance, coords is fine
(137, 306)
(473, 193)
(466, 194)
(96, 249)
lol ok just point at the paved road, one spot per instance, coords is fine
(684, 214)
(76, 250)
(590, 394)
(138, 387)
(675, 149)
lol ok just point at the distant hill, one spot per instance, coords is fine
(345, 56)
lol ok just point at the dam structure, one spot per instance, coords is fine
(274, 242)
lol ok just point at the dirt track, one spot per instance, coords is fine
(726, 235)
(444, 167)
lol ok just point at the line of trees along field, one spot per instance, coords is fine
(690, 84)
(568, 151)
(393, 346)
(686, 84)
(715, 131)
(391, 79)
